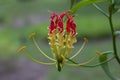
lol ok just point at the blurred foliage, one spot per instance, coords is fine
(8, 43)
(25, 0)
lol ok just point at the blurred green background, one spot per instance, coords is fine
(18, 18)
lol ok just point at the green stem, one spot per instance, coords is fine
(113, 36)
(112, 28)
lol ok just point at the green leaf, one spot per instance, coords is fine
(84, 3)
(102, 58)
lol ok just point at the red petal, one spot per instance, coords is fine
(60, 26)
(52, 26)
(68, 25)
(71, 26)
(64, 13)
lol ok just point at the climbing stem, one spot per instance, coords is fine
(113, 36)
(111, 26)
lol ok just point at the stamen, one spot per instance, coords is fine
(63, 57)
(21, 49)
(81, 48)
(32, 35)
(81, 64)
(85, 40)
(41, 50)
(98, 53)
(95, 65)
(35, 60)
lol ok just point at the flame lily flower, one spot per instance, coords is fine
(61, 39)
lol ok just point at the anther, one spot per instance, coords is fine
(32, 35)
(21, 48)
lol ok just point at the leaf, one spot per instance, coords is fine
(102, 58)
(84, 3)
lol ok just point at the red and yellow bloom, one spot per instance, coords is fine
(62, 35)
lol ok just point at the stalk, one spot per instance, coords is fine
(113, 36)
